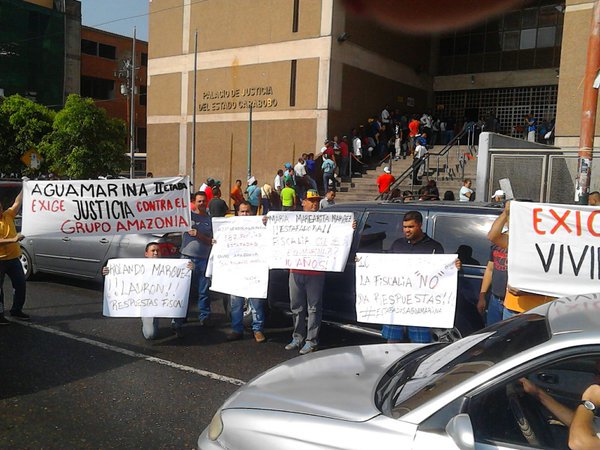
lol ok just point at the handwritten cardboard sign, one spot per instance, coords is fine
(239, 256)
(554, 249)
(310, 241)
(399, 289)
(147, 287)
(105, 207)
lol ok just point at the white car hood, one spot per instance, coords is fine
(338, 383)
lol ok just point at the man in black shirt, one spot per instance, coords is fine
(415, 240)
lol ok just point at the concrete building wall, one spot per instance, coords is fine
(578, 17)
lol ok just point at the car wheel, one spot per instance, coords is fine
(26, 264)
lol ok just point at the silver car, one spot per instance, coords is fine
(84, 257)
(468, 395)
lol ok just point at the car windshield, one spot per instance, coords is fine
(422, 375)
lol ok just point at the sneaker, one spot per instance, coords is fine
(308, 348)
(233, 336)
(20, 315)
(293, 345)
(4, 321)
(259, 337)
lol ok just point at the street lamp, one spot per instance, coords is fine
(130, 90)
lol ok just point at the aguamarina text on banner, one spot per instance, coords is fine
(554, 250)
(106, 207)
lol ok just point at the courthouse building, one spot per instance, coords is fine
(312, 70)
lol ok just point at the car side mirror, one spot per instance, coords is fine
(460, 430)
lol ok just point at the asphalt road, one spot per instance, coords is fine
(74, 379)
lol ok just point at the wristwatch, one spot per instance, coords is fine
(589, 406)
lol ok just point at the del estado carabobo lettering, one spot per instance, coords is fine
(258, 97)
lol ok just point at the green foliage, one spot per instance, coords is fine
(85, 142)
(23, 124)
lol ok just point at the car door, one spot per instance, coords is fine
(51, 254)
(86, 255)
(465, 234)
(502, 415)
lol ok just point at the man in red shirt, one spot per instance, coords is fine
(345, 156)
(413, 127)
(384, 181)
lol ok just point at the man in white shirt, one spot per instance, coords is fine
(278, 182)
(301, 179)
(465, 191)
(385, 116)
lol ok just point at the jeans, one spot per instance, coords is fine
(306, 301)
(150, 327)
(495, 310)
(415, 334)
(14, 270)
(257, 306)
(508, 313)
(200, 283)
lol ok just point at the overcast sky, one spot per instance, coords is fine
(97, 14)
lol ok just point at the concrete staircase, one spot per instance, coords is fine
(363, 186)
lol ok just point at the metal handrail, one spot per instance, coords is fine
(468, 132)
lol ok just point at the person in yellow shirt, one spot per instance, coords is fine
(10, 264)
(515, 301)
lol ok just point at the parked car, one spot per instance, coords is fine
(460, 228)
(467, 394)
(81, 256)
(84, 256)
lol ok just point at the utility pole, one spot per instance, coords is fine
(132, 110)
(127, 74)
(250, 143)
(195, 107)
(588, 110)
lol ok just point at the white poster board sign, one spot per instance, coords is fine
(400, 289)
(239, 256)
(554, 249)
(318, 241)
(105, 207)
(147, 287)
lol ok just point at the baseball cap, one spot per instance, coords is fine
(499, 193)
(251, 180)
(386, 169)
(288, 165)
(311, 193)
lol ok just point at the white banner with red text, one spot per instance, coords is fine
(400, 289)
(310, 241)
(238, 258)
(105, 207)
(554, 250)
(147, 287)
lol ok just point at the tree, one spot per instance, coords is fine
(23, 124)
(85, 142)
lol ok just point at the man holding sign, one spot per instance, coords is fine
(415, 241)
(150, 324)
(257, 305)
(10, 264)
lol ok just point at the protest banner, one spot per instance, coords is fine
(105, 207)
(401, 289)
(147, 287)
(554, 250)
(310, 241)
(239, 256)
